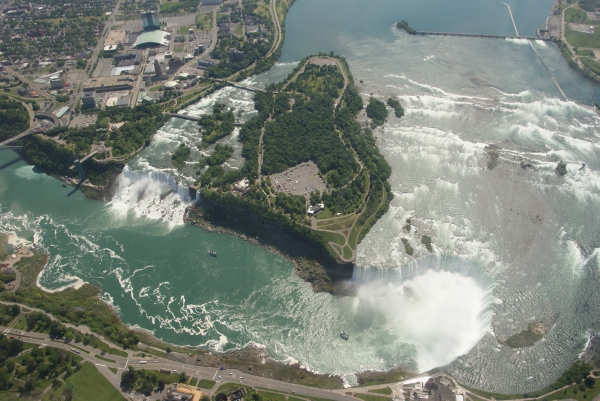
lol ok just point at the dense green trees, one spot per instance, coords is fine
(308, 133)
(217, 125)
(293, 205)
(181, 155)
(145, 381)
(589, 5)
(376, 111)
(404, 25)
(218, 157)
(398, 109)
(14, 118)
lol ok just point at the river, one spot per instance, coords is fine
(512, 244)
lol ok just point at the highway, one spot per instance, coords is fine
(157, 363)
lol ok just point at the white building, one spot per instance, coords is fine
(313, 210)
(242, 186)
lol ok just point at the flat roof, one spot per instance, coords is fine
(152, 38)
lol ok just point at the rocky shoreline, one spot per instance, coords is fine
(309, 263)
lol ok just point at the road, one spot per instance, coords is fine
(156, 363)
(275, 18)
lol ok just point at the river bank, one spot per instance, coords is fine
(310, 264)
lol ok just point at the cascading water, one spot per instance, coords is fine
(439, 304)
(154, 194)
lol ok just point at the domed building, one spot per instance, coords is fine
(170, 85)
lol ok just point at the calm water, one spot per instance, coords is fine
(512, 245)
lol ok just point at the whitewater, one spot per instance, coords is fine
(513, 242)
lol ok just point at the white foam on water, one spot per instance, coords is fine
(153, 195)
(440, 306)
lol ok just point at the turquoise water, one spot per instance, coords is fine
(512, 245)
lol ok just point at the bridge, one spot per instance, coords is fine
(192, 118)
(480, 35)
(14, 138)
(183, 116)
(242, 86)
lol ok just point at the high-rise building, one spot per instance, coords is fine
(157, 68)
(150, 20)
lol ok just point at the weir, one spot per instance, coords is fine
(480, 35)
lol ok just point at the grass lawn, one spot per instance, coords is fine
(267, 396)
(227, 386)
(238, 29)
(591, 64)
(183, 30)
(155, 88)
(114, 370)
(104, 359)
(193, 381)
(578, 16)
(386, 391)
(205, 20)
(90, 385)
(207, 384)
(368, 397)
(334, 237)
(580, 39)
(347, 252)
(337, 224)
(586, 53)
(178, 48)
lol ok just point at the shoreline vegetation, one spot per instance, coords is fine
(404, 25)
(82, 306)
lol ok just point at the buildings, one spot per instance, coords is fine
(242, 186)
(89, 100)
(109, 84)
(150, 20)
(57, 83)
(236, 56)
(152, 39)
(313, 210)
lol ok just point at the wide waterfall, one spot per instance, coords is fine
(152, 193)
(439, 304)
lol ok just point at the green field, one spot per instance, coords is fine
(178, 48)
(580, 39)
(334, 237)
(90, 385)
(183, 30)
(579, 16)
(386, 391)
(586, 53)
(368, 397)
(204, 21)
(591, 64)
(104, 359)
(207, 384)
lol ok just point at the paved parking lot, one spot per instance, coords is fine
(104, 67)
(299, 180)
(82, 120)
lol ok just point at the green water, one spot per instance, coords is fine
(460, 95)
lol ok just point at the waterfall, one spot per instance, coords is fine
(152, 194)
(441, 304)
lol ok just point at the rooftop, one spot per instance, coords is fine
(152, 38)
